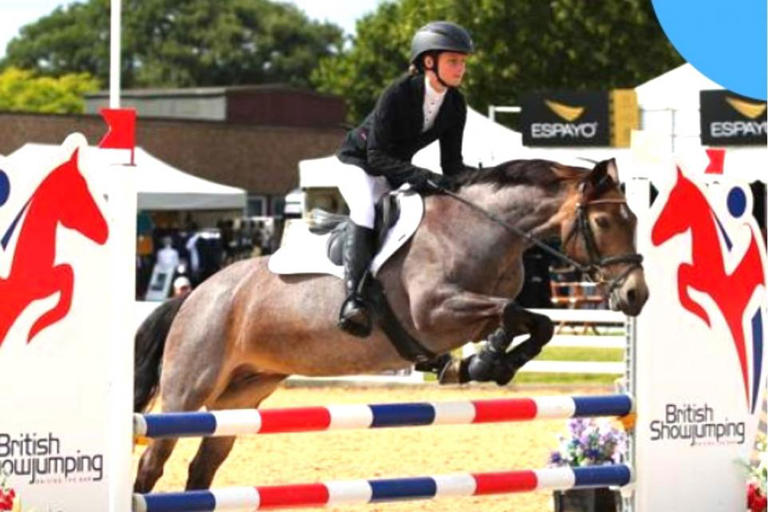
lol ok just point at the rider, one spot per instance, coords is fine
(415, 110)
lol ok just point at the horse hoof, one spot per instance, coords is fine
(451, 373)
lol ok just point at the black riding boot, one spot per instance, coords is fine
(358, 252)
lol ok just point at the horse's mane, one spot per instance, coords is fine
(539, 173)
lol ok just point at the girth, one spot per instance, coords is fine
(407, 346)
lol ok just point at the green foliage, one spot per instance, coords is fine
(525, 45)
(179, 43)
(72, 39)
(21, 90)
(573, 354)
(580, 354)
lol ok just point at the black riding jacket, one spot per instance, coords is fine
(384, 144)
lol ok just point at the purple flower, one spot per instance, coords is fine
(591, 443)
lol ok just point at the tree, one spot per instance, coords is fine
(522, 46)
(179, 43)
(21, 90)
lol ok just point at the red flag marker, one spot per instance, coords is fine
(716, 161)
(122, 129)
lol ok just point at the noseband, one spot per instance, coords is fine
(596, 265)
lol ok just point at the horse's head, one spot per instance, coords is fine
(682, 199)
(599, 231)
(75, 206)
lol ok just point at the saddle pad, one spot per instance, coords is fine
(304, 252)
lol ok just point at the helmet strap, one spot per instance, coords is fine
(436, 69)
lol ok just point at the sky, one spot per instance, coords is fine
(16, 13)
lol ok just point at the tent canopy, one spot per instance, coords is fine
(160, 186)
(676, 89)
(670, 109)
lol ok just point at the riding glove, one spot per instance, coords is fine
(426, 181)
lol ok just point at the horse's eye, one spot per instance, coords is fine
(602, 222)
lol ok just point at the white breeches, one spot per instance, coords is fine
(361, 191)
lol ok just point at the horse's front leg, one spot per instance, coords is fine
(520, 321)
(494, 362)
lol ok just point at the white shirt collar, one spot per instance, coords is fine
(430, 92)
(433, 100)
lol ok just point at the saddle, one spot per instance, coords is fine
(315, 247)
(387, 215)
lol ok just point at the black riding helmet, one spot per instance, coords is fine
(440, 36)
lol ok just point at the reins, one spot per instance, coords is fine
(596, 263)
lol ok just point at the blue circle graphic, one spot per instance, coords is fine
(723, 40)
(5, 187)
(737, 202)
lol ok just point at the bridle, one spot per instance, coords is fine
(595, 267)
(597, 263)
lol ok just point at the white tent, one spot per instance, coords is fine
(160, 186)
(675, 89)
(669, 107)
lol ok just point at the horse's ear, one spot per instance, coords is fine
(602, 176)
(606, 168)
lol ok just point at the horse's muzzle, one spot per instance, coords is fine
(631, 295)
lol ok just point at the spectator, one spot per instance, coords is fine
(181, 286)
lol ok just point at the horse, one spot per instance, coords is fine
(62, 198)
(230, 343)
(687, 209)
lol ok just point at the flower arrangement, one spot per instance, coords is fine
(591, 442)
(757, 495)
(7, 494)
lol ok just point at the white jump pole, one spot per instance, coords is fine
(115, 34)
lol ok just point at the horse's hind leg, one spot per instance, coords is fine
(242, 393)
(174, 399)
(187, 382)
(151, 464)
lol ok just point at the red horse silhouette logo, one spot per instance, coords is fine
(688, 209)
(62, 197)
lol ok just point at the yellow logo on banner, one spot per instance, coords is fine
(567, 112)
(745, 108)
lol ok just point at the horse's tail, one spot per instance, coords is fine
(149, 344)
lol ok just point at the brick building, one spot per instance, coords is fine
(250, 137)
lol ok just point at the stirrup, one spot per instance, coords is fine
(354, 318)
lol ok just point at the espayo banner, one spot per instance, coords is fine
(728, 119)
(566, 118)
